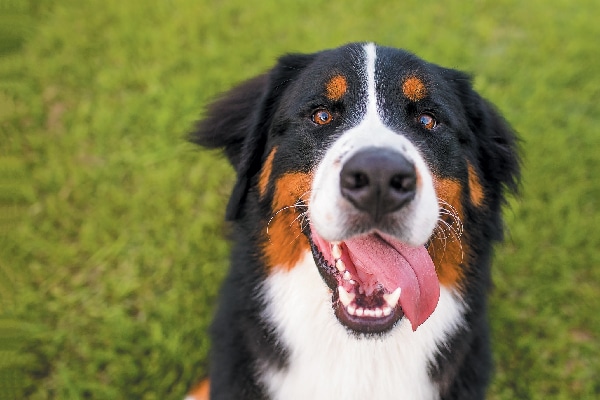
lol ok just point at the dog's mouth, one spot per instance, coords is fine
(377, 280)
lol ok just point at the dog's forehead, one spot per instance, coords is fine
(352, 71)
(389, 63)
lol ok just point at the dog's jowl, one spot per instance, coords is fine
(368, 196)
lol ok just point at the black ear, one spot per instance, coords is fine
(231, 123)
(497, 142)
(239, 121)
(231, 118)
(499, 149)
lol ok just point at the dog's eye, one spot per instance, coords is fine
(427, 120)
(322, 117)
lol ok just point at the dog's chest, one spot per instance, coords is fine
(325, 361)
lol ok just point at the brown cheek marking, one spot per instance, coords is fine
(336, 88)
(414, 89)
(265, 173)
(447, 249)
(285, 243)
(475, 188)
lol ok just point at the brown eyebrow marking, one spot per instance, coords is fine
(336, 87)
(414, 89)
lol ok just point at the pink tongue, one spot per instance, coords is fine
(397, 265)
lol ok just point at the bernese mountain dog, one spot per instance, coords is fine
(368, 197)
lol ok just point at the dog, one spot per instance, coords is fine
(368, 197)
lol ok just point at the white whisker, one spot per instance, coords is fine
(300, 207)
(449, 227)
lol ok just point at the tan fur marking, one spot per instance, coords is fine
(285, 243)
(475, 188)
(414, 88)
(202, 391)
(265, 173)
(448, 248)
(336, 88)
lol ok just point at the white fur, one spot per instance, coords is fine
(328, 362)
(331, 213)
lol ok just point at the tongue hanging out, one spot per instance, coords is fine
(380, 261)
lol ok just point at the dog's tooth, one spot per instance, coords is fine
(378, 312)
(336, 251)
(360, 311)
(351, 308)
(347, 275)
(345, 297)
(387, 310)
(339, 264)
(392, 298)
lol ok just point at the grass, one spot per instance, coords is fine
(111, 245)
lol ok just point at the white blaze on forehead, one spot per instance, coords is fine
(371, 56)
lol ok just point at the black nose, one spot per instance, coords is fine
(378, 181)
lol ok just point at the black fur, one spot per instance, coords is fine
(249, 120)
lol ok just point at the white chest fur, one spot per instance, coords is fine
(326, 362)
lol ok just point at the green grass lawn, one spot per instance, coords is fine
(111, 247)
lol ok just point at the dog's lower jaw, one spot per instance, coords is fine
(392, 365)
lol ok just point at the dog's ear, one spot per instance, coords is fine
(499, 155)
(497, 142)
(231, 119)
(239, 121)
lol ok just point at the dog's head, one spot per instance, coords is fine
(376, 162)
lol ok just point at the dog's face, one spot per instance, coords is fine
(372, 160)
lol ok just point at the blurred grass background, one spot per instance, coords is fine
(111, 247)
